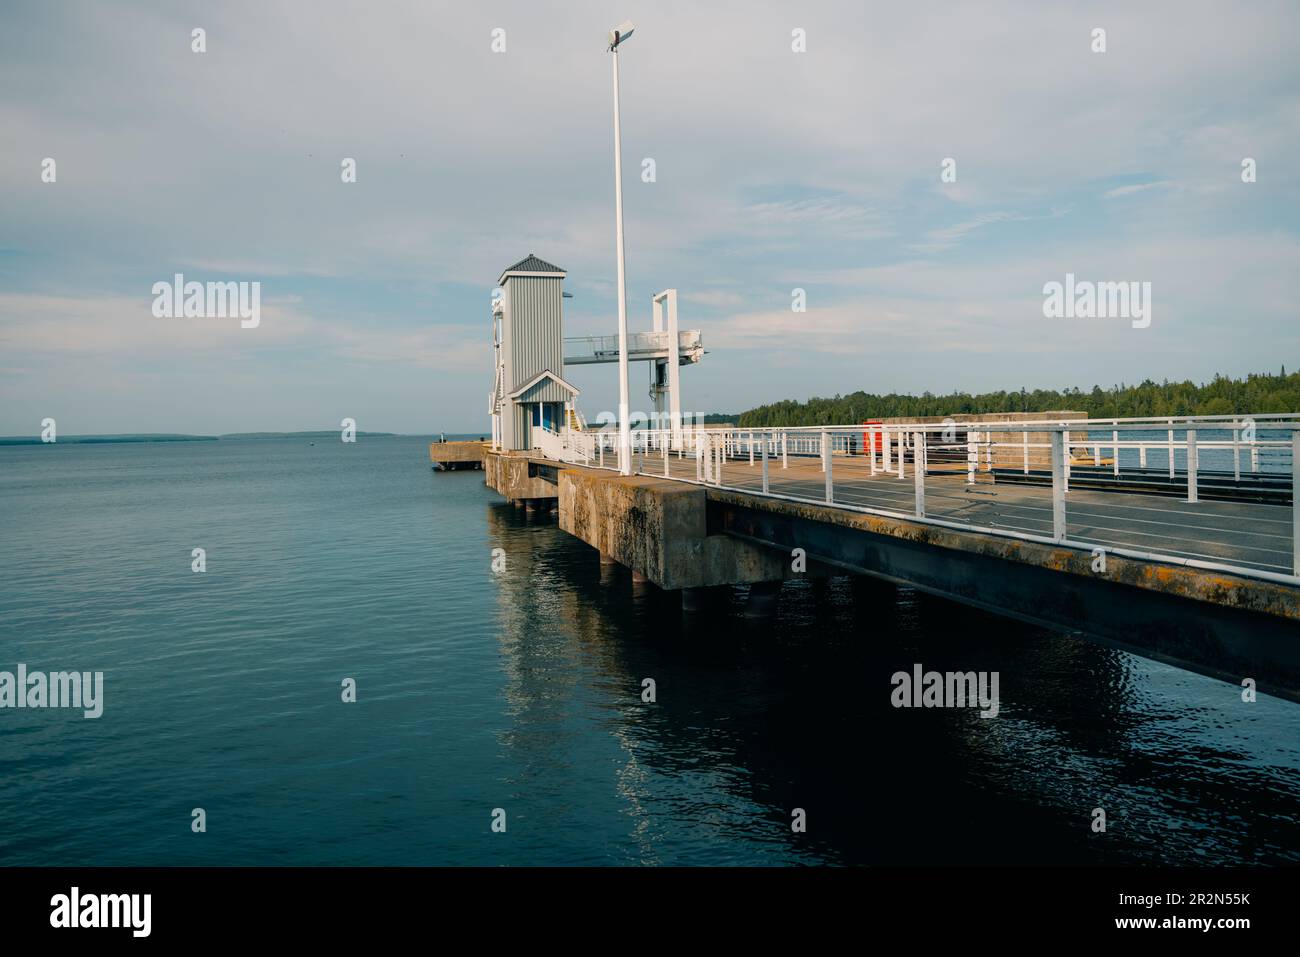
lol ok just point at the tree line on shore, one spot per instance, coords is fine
(1257, 392)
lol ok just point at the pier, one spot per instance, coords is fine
(1061, 522)
(453, 456)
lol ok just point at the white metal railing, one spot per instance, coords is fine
(548, 442)
(1214, 492)
(640, 345)
(597, 449)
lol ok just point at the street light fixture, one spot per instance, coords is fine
(617, 37)
(620, 33)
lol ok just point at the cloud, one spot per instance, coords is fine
(123, 330)
(1132, 188)
(843, 215)
(715, 298)
(775, 170)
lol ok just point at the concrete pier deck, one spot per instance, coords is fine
(449, 456)
(1249, 534)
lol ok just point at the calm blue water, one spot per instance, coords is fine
(522, 691)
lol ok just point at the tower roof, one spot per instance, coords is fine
(544, 374)
(531, 265)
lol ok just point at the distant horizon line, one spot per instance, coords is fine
(87, 437)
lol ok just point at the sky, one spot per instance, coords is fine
(775, 170)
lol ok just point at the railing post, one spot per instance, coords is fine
(1115, 438)
(1191, 465)
(1024, 442)
(1065, 456)
(1058, 486)
(751, 448)
(1171, 452)
(918, 471)
(1295, 501)
(1236, 453)
(699, 460)
(785, 458)
(826, 461)
(972, 457)
(902, 448)
(665, 451)
(765, 465)
(885, 463)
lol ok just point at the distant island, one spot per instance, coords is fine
(170, 437)
(324, 434)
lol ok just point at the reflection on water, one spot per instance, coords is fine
(754, 718)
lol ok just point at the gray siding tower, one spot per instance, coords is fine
(529, 391)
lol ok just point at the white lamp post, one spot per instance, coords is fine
(616, 37)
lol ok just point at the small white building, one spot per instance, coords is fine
(529, 391)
